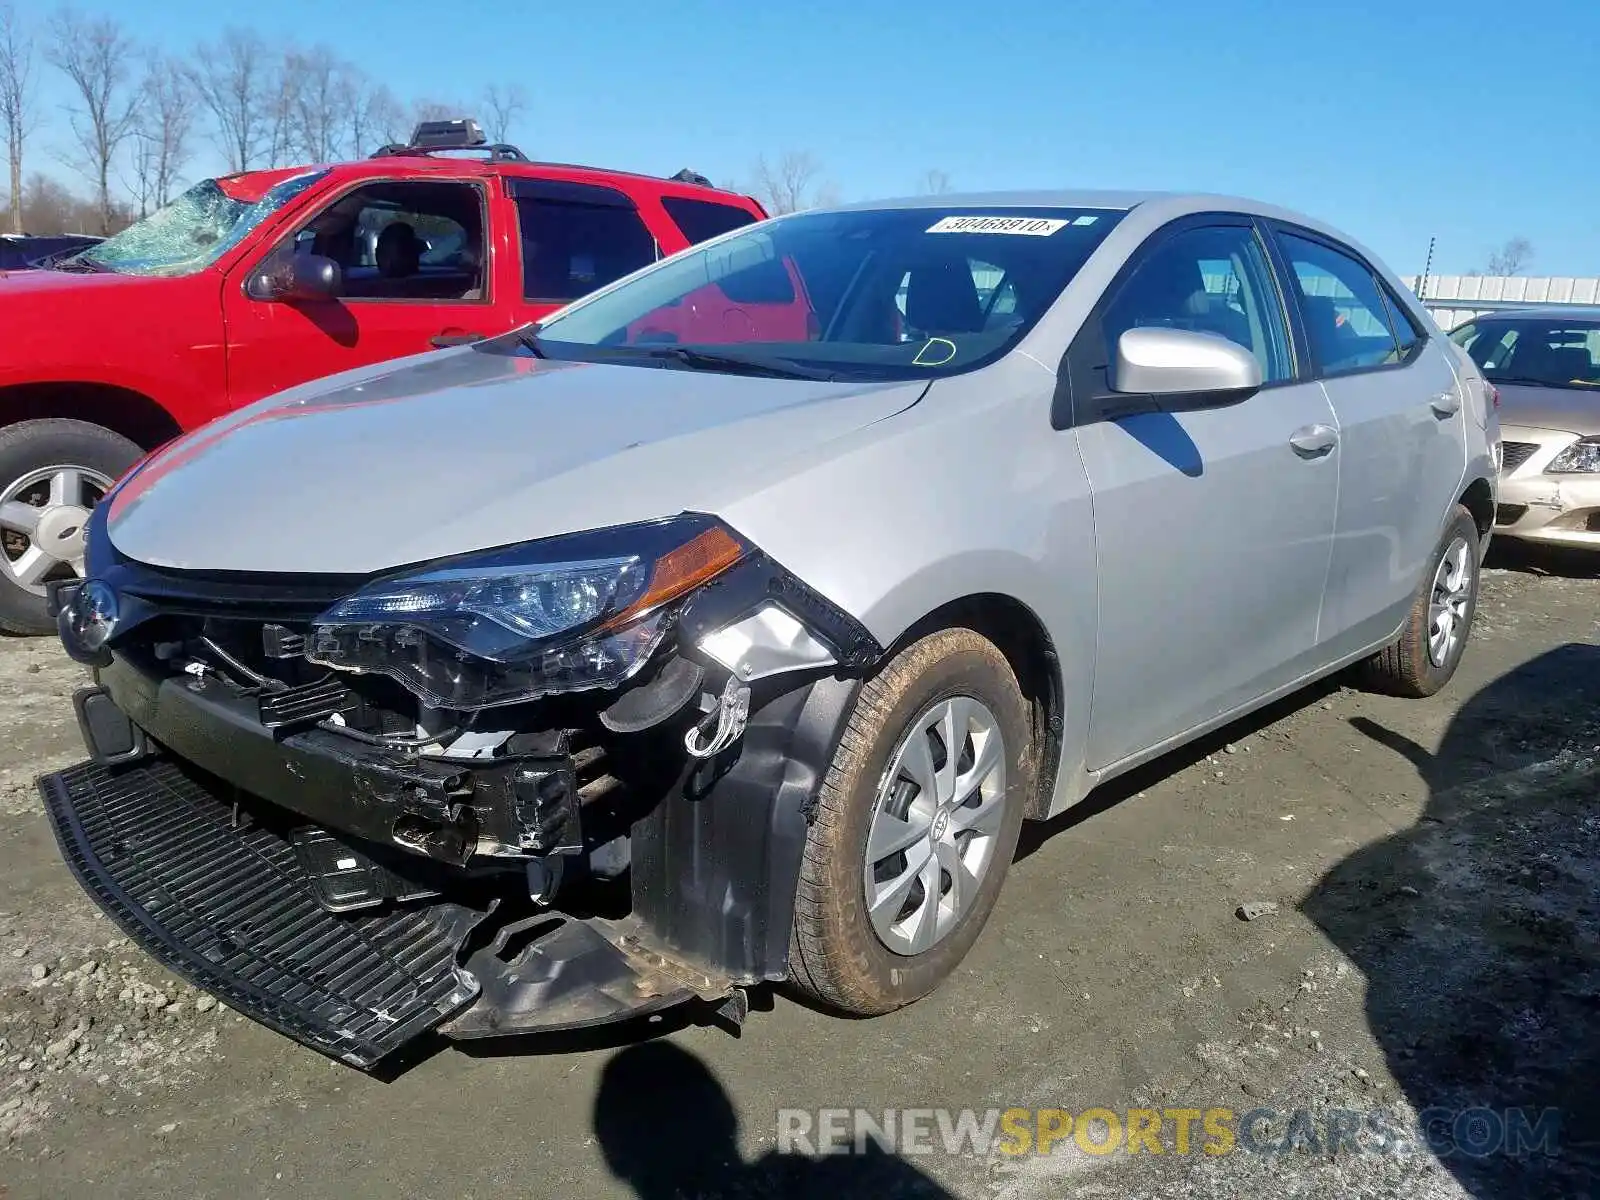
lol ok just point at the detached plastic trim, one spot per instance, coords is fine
(229, 909)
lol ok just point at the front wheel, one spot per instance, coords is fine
(1425, 655)
(916, 824)
(52, 472)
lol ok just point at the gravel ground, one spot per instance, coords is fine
(1428, 935)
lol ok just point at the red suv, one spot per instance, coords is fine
(246, 285)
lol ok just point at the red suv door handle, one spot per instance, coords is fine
(456, 339)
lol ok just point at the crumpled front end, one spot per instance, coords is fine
(361, 830)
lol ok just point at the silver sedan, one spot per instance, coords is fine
(1546, 364)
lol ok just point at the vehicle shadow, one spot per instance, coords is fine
(1478, 931)
(1114, 791)
(668, 1130)
(1530, 558)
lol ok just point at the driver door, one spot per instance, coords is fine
(1212, 527)
(401, 293)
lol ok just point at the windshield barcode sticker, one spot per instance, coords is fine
(1027, 226)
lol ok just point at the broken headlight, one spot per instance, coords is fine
(506, 626)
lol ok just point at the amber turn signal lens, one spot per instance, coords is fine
(702, 557)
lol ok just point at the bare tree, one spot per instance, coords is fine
(233, 79)
(16, 100)
(375, 118)
(791, 184)
(502, 105)
(279, 110)
(162, 132)
(1512, 258)
(430, 109)
(48, 207)
(319, 92)
(95, 55)
(934, 182)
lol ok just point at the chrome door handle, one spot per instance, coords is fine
(1446, 404)
(1312, 440)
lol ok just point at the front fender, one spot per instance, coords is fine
(715, 867)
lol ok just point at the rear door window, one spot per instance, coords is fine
(577, 238)
(1406, 332)
(702, 220)
(1346, 316)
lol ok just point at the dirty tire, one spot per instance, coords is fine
(836, 956)
(1404, 667)
(31, 445)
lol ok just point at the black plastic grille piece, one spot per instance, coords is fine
(300, 707)
(229, 908)
(1514, 454)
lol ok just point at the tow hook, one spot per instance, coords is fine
(724, 722)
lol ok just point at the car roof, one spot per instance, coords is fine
(1164, 205)
(1119, 201)
(1582, 313)
(423, 165)
(1156, 208)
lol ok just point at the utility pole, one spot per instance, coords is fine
(1422, 284)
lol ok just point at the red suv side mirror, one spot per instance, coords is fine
(299, 277)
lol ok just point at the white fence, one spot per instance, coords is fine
(1456, 299)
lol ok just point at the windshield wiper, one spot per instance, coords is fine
(713, 360)
(72, 262)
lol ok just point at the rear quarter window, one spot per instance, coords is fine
(702, 220)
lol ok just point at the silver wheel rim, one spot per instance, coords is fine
(1447, 608)
(935, 824)
(42, 516)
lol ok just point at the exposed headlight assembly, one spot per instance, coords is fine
(505, 626)
(1581, 457)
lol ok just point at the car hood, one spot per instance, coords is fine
(33, 284)
(1575, 410)
(462, 450)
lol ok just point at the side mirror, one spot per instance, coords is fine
(1205, 369)
(297, 277)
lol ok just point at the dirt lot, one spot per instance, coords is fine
(1434, 946)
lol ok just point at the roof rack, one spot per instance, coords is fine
(457, 133)
(464, 133)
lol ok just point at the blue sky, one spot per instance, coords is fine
(1472, 121)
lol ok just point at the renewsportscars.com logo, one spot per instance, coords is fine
(1441, 1132)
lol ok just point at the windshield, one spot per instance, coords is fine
(874, 294)
(193, 231)
(1538, 351)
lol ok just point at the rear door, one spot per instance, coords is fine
(417, 275)
(1212, 527)
(1401, 428)
(572, 238)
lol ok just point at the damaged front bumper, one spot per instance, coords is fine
(1536, 505)
(355, 895)
(231, 903)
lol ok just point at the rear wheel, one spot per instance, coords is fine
(52, 472)
(1425, 655)
(916, 825)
